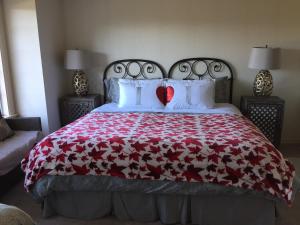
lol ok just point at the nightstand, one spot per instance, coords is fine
(266, 113)
(73, 107)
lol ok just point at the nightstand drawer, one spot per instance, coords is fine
(267, 114)
(72, 107)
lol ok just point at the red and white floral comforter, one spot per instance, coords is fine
(217, 148)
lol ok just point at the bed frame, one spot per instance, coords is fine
(209, 207)
(206, 68)
(185, 69)
(133, 69)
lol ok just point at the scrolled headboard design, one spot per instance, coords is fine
(206, 68)
(133, 69)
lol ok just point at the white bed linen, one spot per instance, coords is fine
(220, 108)
(192, 94)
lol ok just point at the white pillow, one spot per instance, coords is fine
(139, 93)
(192, 94)
(128, 93)
(149, 97)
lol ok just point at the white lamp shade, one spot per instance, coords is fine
(264, 58)
(74, 60)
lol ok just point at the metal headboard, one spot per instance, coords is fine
(133, 69)
(205, 68)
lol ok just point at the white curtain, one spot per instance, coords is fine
(6, 92)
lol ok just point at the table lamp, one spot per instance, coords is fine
(75, 60)
(264, 59)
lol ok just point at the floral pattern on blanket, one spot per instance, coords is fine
(216, 148)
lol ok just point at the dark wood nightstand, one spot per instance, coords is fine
(267, 114)
(73, 107)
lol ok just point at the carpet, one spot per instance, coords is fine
(18, 197)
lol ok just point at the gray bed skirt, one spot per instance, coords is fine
(91, 197)
(169, 209)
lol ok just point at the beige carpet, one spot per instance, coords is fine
(18, 197)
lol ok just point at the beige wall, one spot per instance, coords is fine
(25, 59)
(35, 39)
(51, 34)
(162, 30)
(168, 30)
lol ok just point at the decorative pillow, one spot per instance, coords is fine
(180, 94)
(190, 94)
(222, 90)
(165, 94)
(148, 93)
(128, 93)
(112, 89)
(139, 93)
(5, 131)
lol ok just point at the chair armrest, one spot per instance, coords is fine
(25, 123)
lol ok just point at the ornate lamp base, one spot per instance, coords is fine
(263, 84)
(80, 83)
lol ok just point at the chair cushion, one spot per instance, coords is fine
(15, 148)
(5, 130)
(13, 216)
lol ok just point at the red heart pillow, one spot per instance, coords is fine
(170, 94)
(161, 93)
(165, 94)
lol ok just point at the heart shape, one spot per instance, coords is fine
(170, 94)
(165, 94)
(161, 93)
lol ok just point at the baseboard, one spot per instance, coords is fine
(290, 149)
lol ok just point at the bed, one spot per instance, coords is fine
(208, 166)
